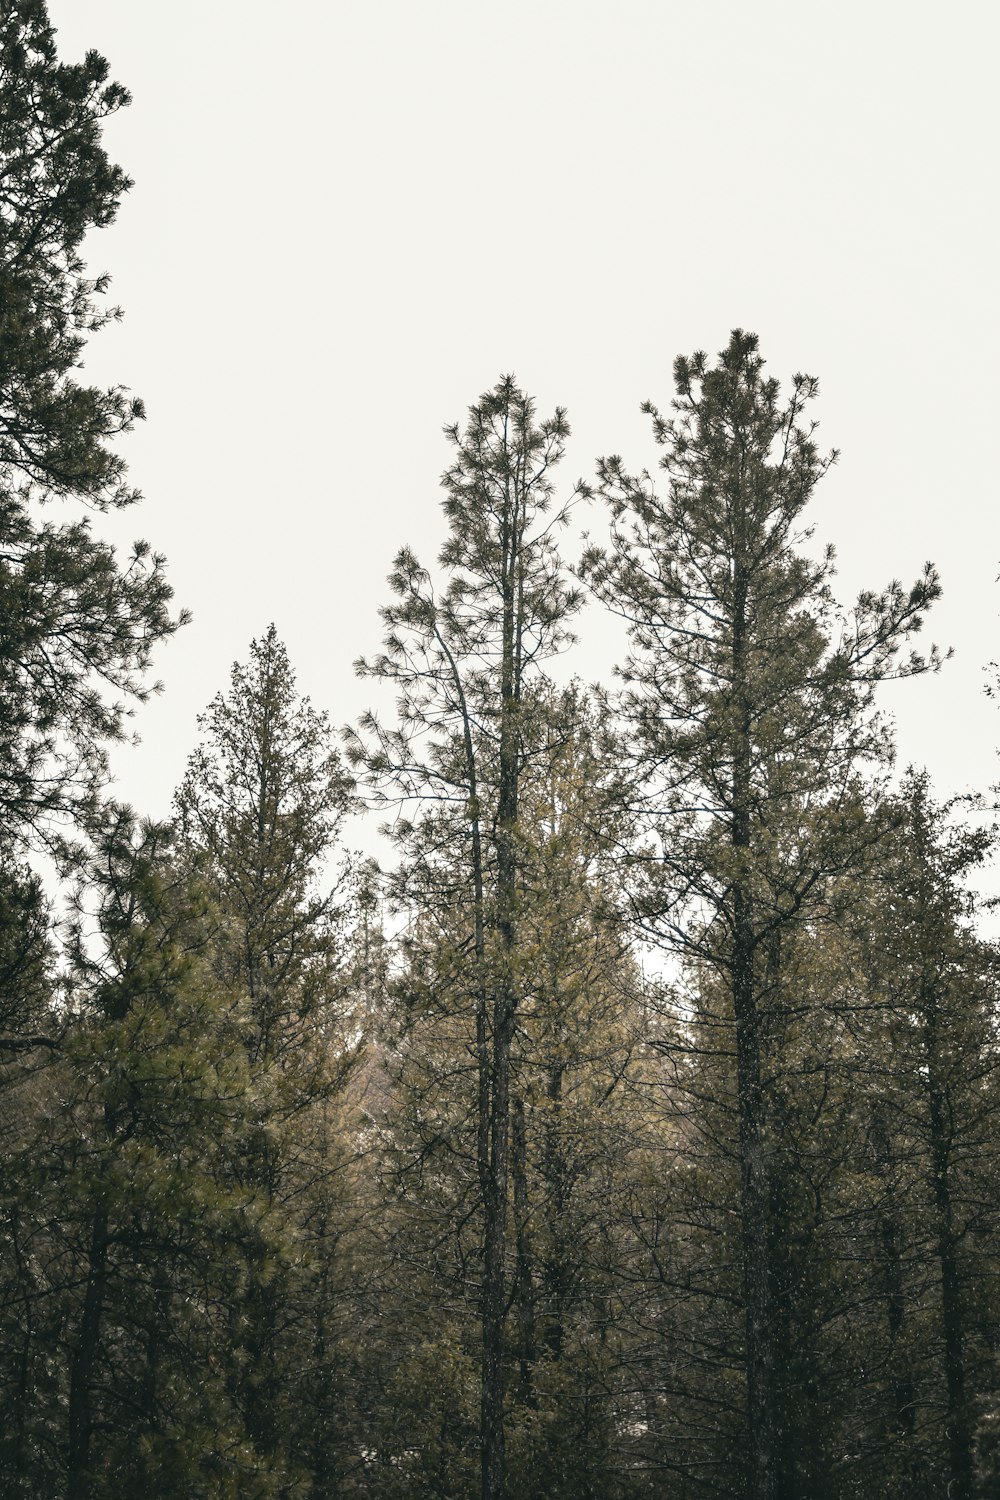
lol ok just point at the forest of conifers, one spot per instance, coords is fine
(634, 1132)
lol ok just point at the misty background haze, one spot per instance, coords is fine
(349, 220)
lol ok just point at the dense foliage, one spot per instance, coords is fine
(634, 1133)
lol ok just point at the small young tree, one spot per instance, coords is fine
(259, 811)
(261, 806)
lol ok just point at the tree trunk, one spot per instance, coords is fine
(16, 1466)
(754, 1188)
(524, 1277)
(262, 1382)
(492, 1442)
(156, 1335)
(754, 1174)
(555, 1175)
(263, 1292)
(903, 1413)
(82, 1361)
(958, 1431)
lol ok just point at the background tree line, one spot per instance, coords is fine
(635, 1133)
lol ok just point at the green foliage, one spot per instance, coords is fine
(750, 732)
(295, 1206)
(736, 640)
(122, 1207)
(259, 813)
(464, 659)
(58, 184)
(77, 627)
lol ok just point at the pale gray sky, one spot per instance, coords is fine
(349, 219)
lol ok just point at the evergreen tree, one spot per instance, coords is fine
(748, 700)
(260, 808)
(158, 1087)
(463, 660)
(26, 952)
(27, 1044)
(578, 1126)
(77, 625)
(259, 811)
(119, 1205)
(933, 1131)
(573, 1146)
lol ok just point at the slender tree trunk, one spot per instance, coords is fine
(156, 1333)
(260, 1404)
(321, 1387)
(322, 1448)
(494, 1300)
(491, 1309)
(754, 1173)
(494, 1464)
(555, 1176)
(262, 1384)
(493, 1061)
(524, 1274)
(492, 1437)
(19, 1443)
(83, 1359)
(903, 1412)
(958, 1431)
(754, 1183)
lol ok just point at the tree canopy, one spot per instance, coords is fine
(630, 1128)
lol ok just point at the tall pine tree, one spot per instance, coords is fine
(748, 701)
(78, 625)
(462, 657)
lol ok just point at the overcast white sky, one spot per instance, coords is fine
(349, 219)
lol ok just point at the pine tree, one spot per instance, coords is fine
(578, 1121)
(260, 806)
(463, 660)
(137, 1206)
(28, 1042)
(934, 1128)
(77, 626)
(259, 810)
(748, 700)
(573, 1146)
